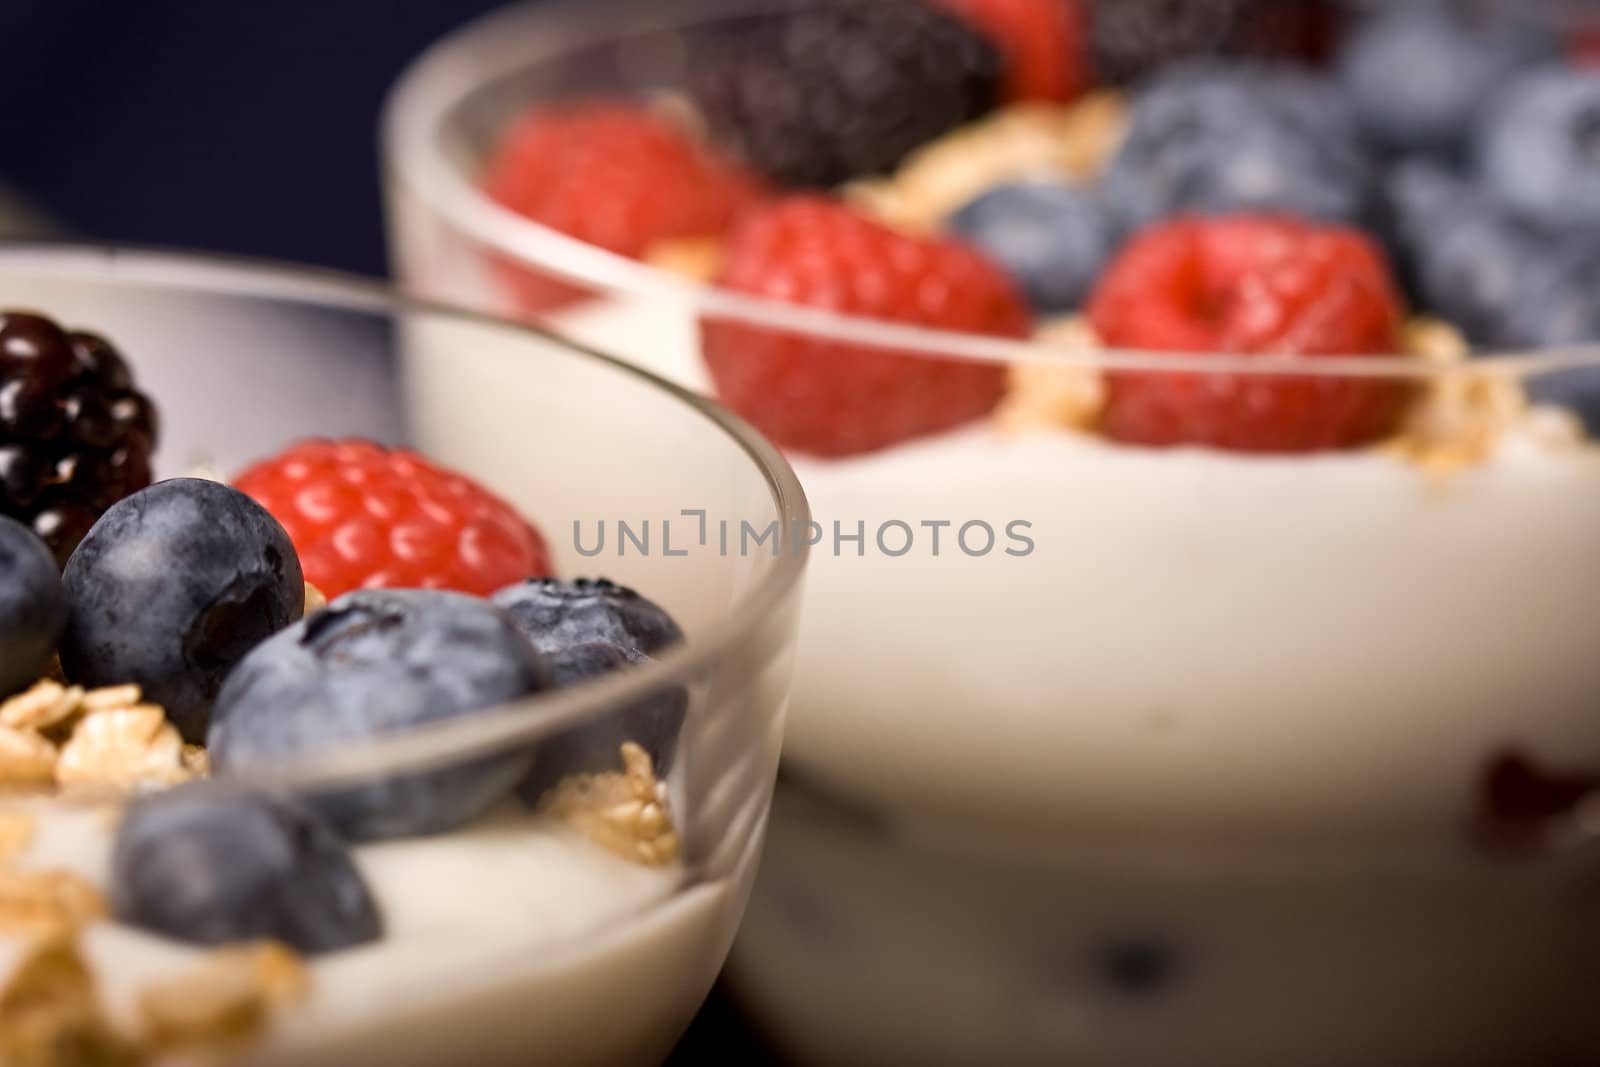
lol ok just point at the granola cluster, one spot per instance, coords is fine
(626, 813)
(55, 735)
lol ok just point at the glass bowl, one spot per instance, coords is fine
(519, 936)
(1110, 754)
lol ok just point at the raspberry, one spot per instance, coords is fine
(835, 398)
(614, 175)
(1042, 41)
(76, 435)
(1245, 285)
(362, 516)
(844, 89)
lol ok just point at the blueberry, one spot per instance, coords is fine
(1052, 239)
(1557, 303)
(652, 722)
(1470, 275)
(377, 662)
(1539, 148)
(33, 606)
(170, 589)
(556, 613)
(209, 866)
(1457, 251)
(590, 627)
(1210, 138)
(1418, 73)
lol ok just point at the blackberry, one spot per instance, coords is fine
(76, 436)
(845, 89)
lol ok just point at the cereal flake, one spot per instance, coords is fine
(27, 759)
(1462, 416)
(17, 830)
(49, 902)
(46, 704)
(1045, 395)
(626, 813)
(123, 747)
(50, 1014)
(315, 600)
(229, 996)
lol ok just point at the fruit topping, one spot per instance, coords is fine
(373, 663)
(1540, 148)
(835, 398)
(590, 628)
(211, 867)
(76, 435)
(1419, 74)
(616, 175)
(556, 615)
(33, 606)
(170, 589)
(842, 90)
(1051, 238)
(363, 516)
(1249, 285)
(1041, 42)
(1209, 138)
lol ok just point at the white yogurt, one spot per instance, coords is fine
(515, 940)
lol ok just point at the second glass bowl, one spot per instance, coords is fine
(1106, 754)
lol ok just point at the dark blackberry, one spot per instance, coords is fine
(845, 89)
(76, 436)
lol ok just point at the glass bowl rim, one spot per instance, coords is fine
(490, 730)
(420, 102)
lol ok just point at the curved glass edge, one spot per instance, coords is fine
(514, 38)
(772, 602)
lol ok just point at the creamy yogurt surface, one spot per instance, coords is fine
(516, 934)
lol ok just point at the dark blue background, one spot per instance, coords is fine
(242, 126)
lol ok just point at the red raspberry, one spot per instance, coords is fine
(614, 175)
(1041, 39)
(834, 398)
(1247, 285)
(362, 516)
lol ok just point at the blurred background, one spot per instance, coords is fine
(244, 128)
